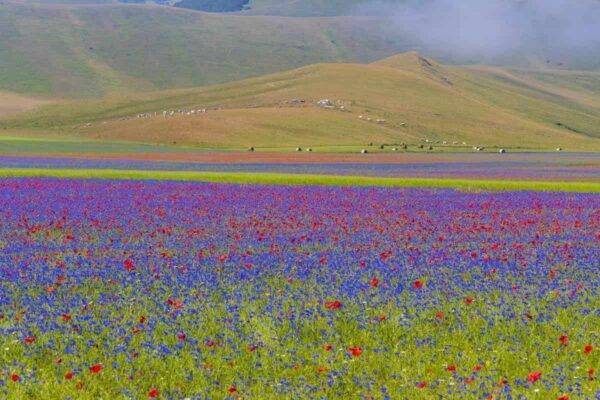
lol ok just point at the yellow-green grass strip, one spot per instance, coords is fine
(304, 179)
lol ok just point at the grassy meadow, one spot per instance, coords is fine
(133, 289)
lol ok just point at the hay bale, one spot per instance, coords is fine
(250, 148)
(364, 151)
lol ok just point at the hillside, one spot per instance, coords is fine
(96, 50)
(11, 103)
(74, 50)
(406, 98)
(304, 8)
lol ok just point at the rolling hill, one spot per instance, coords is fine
(93, 50)
(405, 98)
(81, 50)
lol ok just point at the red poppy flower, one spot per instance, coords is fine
(591, 372)
(383, 317)
(15, 378)
(439, 315)
(588, 348)
(175, 303)
(564, 340)
(385, 255)
(563, 397)
(232, 389)
(181, 336)
(418, 284)
(422, 385)
(469, 300)
(69, 375)
(451, 368)
(128, 265)
(29, 340)
(320, 370)
(355, 351)
(153, 393)
(66, 317)
(333, 305)
(374, 282)
(328, 347)
(477, 368)
(142, 319)
(94, 369)
(469, 380)
(533, 377)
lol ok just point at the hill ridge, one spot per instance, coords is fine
(339, 105)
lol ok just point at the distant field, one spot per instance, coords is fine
(299, 179)
(62, 145)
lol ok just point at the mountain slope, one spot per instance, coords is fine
(413, 98)
(306, 8)
(95, 50)
(11, 103)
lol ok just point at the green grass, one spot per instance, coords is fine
(304, 179)
(305, 7)
(93, 50)
(11, 145)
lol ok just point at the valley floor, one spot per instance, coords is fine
(568, 167)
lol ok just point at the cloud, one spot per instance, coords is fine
(496, 30)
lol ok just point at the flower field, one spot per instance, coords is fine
(155, 289)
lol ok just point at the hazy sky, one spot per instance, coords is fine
(497, 29)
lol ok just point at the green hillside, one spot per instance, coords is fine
(95, 50)
(406, 98)
(306, 7)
